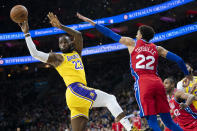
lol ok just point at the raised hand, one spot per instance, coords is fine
(54, 20)
(24, 26)
(85, 19)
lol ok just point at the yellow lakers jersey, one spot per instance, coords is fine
(189, 88)
(72, 69)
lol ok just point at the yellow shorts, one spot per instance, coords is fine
(80, 99)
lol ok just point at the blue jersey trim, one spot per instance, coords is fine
(188, 110)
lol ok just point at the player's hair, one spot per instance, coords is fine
(71, 47)
(171, 79)
(147, 32)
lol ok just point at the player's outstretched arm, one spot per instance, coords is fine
(173, 57)
(109, 33)
(78, 39)
(50, 58)
(184, 96)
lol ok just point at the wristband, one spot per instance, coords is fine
(27, 34)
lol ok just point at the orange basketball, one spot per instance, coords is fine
(19, 13)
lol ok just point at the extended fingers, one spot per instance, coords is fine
(50, 15)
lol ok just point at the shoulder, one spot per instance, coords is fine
(152, 44)
(75, 52)
(128, 41)
(56, 55)
(162, 51)
(180, 85)
(138, 42)
(55, 59)
(160, 48)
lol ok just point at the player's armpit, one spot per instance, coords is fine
(127, 41)
(78, 43)
(162, 51)
(55, 59)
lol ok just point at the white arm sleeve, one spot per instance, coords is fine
(180, 85)
(34, 52)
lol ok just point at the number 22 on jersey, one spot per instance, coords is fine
(142, 59)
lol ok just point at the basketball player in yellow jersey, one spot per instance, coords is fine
(80, 99)
(189, 84)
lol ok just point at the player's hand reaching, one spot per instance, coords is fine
(183, 105)
(186, 82)
(24, 27)
(85, 19)
(54, 20)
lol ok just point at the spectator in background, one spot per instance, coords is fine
(117, 126)
(136, 120)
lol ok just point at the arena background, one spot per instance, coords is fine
(32, 94)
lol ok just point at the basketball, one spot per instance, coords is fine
(19, 13)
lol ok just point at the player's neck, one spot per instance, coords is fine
(171, 93)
